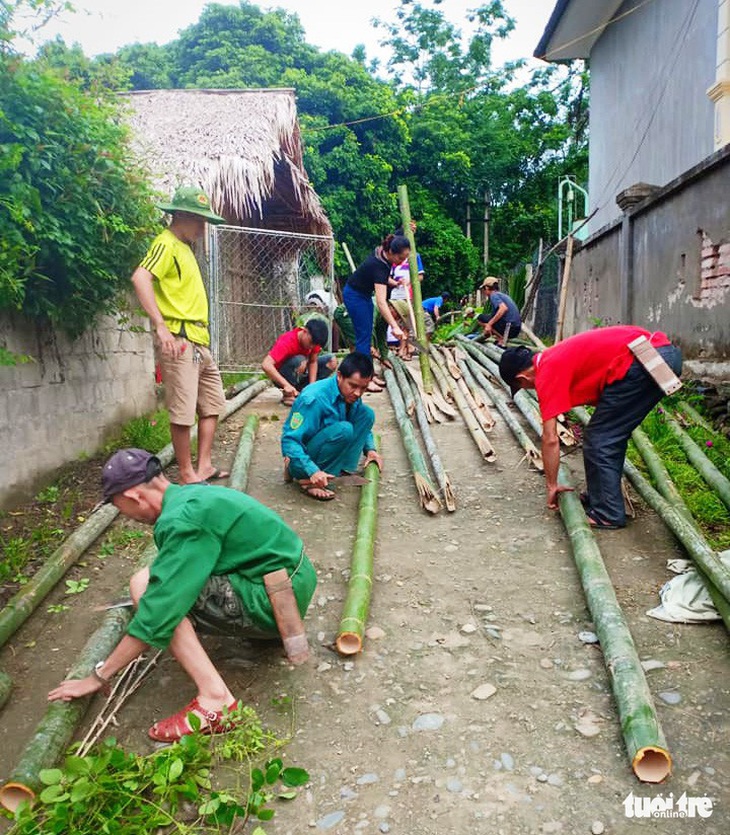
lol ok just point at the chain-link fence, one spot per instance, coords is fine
(259, 280)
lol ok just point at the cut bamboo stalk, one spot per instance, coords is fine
(405, 388)
(709, 472)
(564, 289)
(666, 487)
(472, 404)
(447, 491)
(359, 589)
(243, 385)
(693, 542)
(477, 392)
(242, 462)
(19, 608)
(348, 255)
(421, 338)
(643, 735)
(427, 494)
(480, 438)
(433, 411)
(535, 339)
(6, 685)
(452, 367)
(56, 729)
(532, 454)
(694, 416)
(439, 373)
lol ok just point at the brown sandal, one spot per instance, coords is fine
(310, 490)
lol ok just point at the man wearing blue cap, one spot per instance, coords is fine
(170, 288)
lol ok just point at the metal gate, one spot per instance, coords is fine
(259, 280)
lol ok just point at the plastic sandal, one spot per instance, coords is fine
(174, 727)
(597, 523)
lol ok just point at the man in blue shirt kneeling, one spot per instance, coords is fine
(329, 428)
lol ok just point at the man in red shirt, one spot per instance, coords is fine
(293, 360)
(595, 368)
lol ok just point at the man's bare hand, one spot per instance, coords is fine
(74, 689)
(397, 331)
(553, 493)
(320, 478)
(170, 346)
(374, 455)
(289, 392)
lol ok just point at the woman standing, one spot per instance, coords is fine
(372, 275)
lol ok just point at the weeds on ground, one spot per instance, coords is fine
(704, 504)
(177, 788)
(150, 432)
(230, 378)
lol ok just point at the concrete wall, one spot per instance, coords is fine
(69, 399)
(650, 116)
(665, 265)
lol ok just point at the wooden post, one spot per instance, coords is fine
(564, 289)
(346, 250)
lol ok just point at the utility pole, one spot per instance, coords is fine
(468, 220)
(486, 229)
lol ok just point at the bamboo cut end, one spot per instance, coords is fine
(349, 643)
(652, 764)
(12, 795)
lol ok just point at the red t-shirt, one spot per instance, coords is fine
(575, 372)
(287, 345)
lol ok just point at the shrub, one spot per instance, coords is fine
(75, 208)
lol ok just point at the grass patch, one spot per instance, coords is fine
(150, 432)
(706, 507)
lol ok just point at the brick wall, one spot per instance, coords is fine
(69, 398)
(714, 271)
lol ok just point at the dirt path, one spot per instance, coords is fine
(396, 739)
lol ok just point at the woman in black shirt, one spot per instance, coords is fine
(372, 275)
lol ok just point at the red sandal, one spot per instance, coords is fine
(172, 728)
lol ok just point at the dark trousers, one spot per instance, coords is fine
(361, 310)
(501, 325)
(288, 369)
(622, 407)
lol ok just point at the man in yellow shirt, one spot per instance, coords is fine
(170, 288)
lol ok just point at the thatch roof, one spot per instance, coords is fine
(242, 147)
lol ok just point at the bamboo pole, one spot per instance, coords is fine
(427, 494)
(480, 438)
(405, 389)
(666, 487)
(532, 454)
(359, 589)
(487, 418)
(19, 608)
(55, 730)
(435, 404)
(564, 289)
(693, 542)
(539, 344)
(6, 685)
(243, 385)
(411, 388)
(421, 338)
(694, 416)
(709, 472)
(644, 738)
(350, 261)
(239, 471)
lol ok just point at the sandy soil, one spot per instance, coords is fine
(395, 739)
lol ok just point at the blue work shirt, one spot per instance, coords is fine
(429, 304)
(512, 315)
(319, 405)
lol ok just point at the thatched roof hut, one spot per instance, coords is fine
(243, 147)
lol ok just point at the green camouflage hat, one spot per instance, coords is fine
(194, 201)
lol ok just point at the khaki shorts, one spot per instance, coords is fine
(192, 384)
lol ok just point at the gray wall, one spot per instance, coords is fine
(650, 116)
(69, 399)
(665, 266)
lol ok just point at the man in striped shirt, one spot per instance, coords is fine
(170, 288)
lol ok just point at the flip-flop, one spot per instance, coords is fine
(217, 474)
(308, 490)
(584, 500)
(597, 523)
(172, 728)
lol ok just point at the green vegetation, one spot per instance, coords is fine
(150, 432)
(431, 112)
(704, 504)
(178, 788)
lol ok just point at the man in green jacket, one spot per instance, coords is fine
(215, 545)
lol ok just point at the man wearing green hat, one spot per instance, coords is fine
(170, 288)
